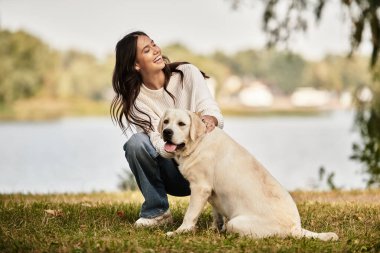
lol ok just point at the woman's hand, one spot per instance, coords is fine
(210, 121)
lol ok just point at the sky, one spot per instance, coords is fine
(204, 26)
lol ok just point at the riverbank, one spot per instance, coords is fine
(104, 222)
(43, 109)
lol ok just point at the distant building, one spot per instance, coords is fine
(232, 84)
(227, 95)
(256, 94)
(309, 97)
(364, 94)
(345, 99)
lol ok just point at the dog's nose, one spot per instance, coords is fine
(167, 134)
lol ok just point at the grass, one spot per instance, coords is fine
(103, 222)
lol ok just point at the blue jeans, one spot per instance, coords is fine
(156, 176)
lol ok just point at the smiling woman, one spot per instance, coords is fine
(149, 60)
(146, 84)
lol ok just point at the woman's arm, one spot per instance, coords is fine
(204, 102)
(155, 137)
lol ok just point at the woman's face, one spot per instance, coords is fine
(148, 56)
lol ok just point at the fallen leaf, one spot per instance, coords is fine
(121, 214)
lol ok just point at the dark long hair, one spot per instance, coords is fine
(126, 82)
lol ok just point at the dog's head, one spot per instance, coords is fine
(179, 129)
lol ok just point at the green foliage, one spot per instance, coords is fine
(368, 151)
(285, 71)
(282, 70)
(280, 25)
(29, 68)
(82, 75)
(328, 177)
(283, 19)
(24, 66)
(338, 73)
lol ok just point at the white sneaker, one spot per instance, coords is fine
(165, 218)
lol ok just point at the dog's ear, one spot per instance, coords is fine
(160, 124)
(197, 128)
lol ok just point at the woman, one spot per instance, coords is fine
(146, 84)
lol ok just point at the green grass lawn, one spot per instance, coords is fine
(100, 222)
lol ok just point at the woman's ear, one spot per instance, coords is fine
(197, 128)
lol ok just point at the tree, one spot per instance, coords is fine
(25, 65)
(282, 19)
(286, 71)
(368, 151)
(215, 69)
(83, 76)
(277, 68)
(338, 73)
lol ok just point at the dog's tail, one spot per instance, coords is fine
(328, 236)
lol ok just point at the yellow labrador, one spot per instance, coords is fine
(245, 197)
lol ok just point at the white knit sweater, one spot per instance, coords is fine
(193, 94)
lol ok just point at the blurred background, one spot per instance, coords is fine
(287, 89)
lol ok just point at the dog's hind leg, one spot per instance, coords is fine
(218, 221)
(260, 228)
(252, 227)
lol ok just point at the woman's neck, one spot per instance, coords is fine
(154, 81)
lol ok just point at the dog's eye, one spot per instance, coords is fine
(181, 123)
(166, 121)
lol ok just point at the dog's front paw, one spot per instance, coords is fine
(185, 229)
(329, 236)
(182, 229)
(171, 233)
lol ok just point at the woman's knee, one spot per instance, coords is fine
(139, 145)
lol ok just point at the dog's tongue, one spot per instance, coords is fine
(170, 147)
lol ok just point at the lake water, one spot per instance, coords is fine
(85, 154)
